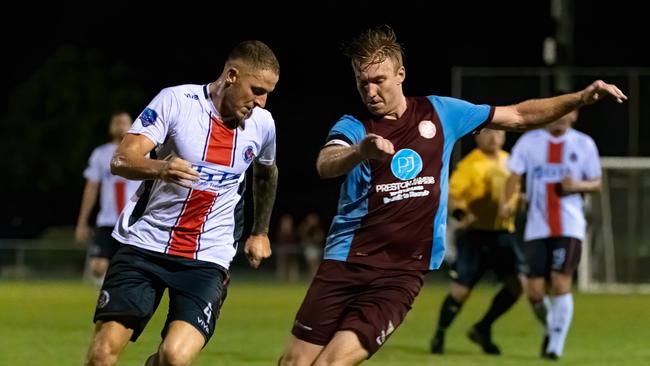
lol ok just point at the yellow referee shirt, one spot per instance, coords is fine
(476, 187)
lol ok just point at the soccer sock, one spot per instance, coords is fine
(560, 321)
(448, 312)
(502, 301)
(542, 310)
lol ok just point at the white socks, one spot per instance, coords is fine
(559, 318)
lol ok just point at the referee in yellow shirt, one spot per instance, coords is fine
(484, 240)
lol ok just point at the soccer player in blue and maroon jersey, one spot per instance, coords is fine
(391, 223)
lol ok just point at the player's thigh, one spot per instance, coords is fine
(131, 292)
(375, 314)
(299, 353)
(566, 255)
(334, 286)
(345, 348)
(506, 260)
(537, 257)
(109, 338)
(196, 295)
(470, 263)
(181, 344)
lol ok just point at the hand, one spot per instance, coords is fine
(81, 233)
(568, 186)
(179, 171)
(375, 147)
(599, 89)
(506, 210)
(257, 247)
(466, 221)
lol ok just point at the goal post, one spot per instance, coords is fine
(616, 252)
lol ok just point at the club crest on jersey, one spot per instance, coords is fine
(427, 129)
(406, 164)
(249, 154)
(148, 117)
(103, 300)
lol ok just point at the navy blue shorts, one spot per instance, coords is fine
(482, 250)
(137, 278)
(557, 254)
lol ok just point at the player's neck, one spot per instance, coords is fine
(401, 108)
(557, 133)
(491, 155)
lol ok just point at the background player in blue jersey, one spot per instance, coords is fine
(391, 222)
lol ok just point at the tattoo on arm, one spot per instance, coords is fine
(265, 184)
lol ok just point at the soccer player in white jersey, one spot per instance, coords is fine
(180, 232)
(114, 191)
(560, 164)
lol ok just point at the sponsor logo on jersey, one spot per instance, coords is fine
(148, 117)
(248, 154)
(104, 298)
(192, 96)
(427, 129)
(406, 164)
(550, 172)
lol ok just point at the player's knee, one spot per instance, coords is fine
(174, 354)
(459, 292)
(99, 268)
(102, 354)
(294, 358)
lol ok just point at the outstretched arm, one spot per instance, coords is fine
(337, 160)
(129, 161)
(265, 183)
(535, 113)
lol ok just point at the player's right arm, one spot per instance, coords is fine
(336, 160)
(150, 129)
(82, 230)
(130, 162)
(509, 201)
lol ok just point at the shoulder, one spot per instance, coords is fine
(262, 118)
(582, 139)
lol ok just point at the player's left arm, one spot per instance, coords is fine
(535, 113)
(591, 173)
(265, 183)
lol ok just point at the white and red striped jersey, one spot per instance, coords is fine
(196, 223)
(546, 160)
(115, 191)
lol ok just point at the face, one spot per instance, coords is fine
(380, 86)
(490, 141)
(561, 125)
(246, 89)
(120, 124)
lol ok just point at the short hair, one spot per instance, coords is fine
(257, 55)
(374, 46)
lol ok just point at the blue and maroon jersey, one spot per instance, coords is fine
(393, 213)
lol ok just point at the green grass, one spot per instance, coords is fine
(49, 323)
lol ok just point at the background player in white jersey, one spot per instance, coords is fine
(560, 164)
(180, 234)
(115, 192)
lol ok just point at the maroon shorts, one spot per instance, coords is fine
(371, 302)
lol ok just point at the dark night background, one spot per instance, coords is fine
(67, 67)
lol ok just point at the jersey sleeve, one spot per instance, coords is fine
(158, 118)
(93, 171)
(267, 152)
(592, 169)
(517, 160)
(459, 117)
(347, 131)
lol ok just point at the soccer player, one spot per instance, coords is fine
(180, 234)
(560, 164)
(475, 191)
(391, 223)
(115, 192)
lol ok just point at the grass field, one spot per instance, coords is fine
(49, 323)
